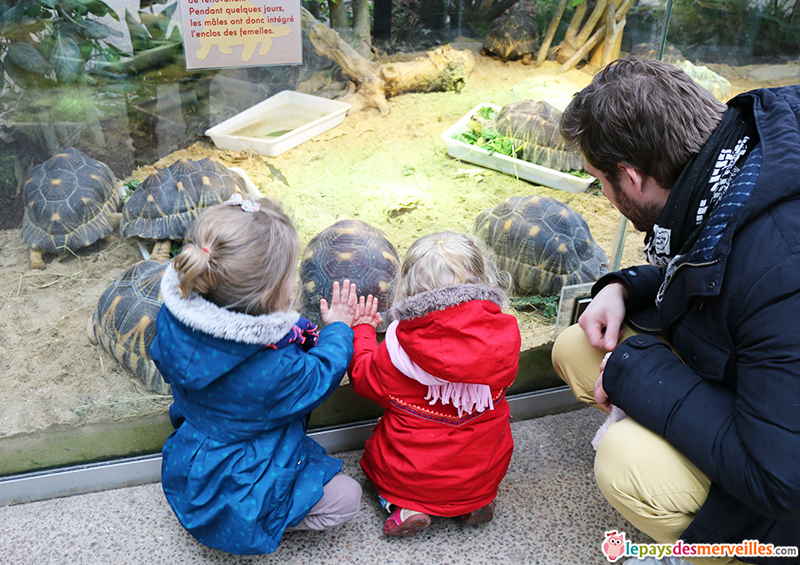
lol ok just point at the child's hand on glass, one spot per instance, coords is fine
(367, 312)
(343, 304)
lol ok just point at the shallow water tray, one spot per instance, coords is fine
(279, 123)
(509, 165)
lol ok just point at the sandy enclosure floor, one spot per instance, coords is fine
(391, 171)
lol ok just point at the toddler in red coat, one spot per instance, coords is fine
(444, 442)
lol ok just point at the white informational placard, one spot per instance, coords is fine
(241, 33)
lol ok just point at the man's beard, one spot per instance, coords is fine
(642, 216)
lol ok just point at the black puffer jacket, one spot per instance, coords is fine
(733, 314)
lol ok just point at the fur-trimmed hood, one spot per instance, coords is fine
(429, 301)
(204, 316)
(459, 333)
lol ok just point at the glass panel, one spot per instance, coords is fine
(117, 89)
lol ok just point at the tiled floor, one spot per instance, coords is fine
(549, 512)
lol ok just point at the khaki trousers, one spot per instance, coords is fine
(642, 476)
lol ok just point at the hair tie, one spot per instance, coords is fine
(248, 204)
(206, 250)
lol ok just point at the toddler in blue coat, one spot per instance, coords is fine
(245, 371)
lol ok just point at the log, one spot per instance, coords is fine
(361, 70)
(442, 69)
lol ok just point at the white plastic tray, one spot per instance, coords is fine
(279, 123)
(516, 167)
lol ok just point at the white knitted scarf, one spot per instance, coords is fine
(466, 397)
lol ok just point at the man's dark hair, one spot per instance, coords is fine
(644, 113)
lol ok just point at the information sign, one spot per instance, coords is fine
(241, 33)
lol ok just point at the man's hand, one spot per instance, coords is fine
(602, 320)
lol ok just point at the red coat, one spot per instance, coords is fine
(425, 457)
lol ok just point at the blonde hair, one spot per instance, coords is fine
(446, 258)
(241, 261)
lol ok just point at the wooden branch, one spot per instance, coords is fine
(608, 44)
(613, 36)
(620, 21)
(614, 54)
(571, 42)
(626, 5)
(575, 23)
(551, 32)
(595, 38)
(585, 48)
(597, 13)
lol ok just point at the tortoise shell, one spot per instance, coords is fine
(124, 321)
(69, 200)
(165, 205)
(543, 244)
(534, 126)
(349, 249)
(511, 37)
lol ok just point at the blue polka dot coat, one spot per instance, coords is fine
(239, 468)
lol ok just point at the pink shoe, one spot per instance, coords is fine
(403, 523)
(479, 516)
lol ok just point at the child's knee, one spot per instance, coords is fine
(340, 503)
(347, 497)
(351, 494)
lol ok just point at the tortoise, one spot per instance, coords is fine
(349, 249)
(511, 37)
(533, 126)
(543, 244)
(124, 321)
(71, 201)
(164, 206)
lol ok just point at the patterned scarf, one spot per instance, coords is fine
(702, 185)
(704, 180)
